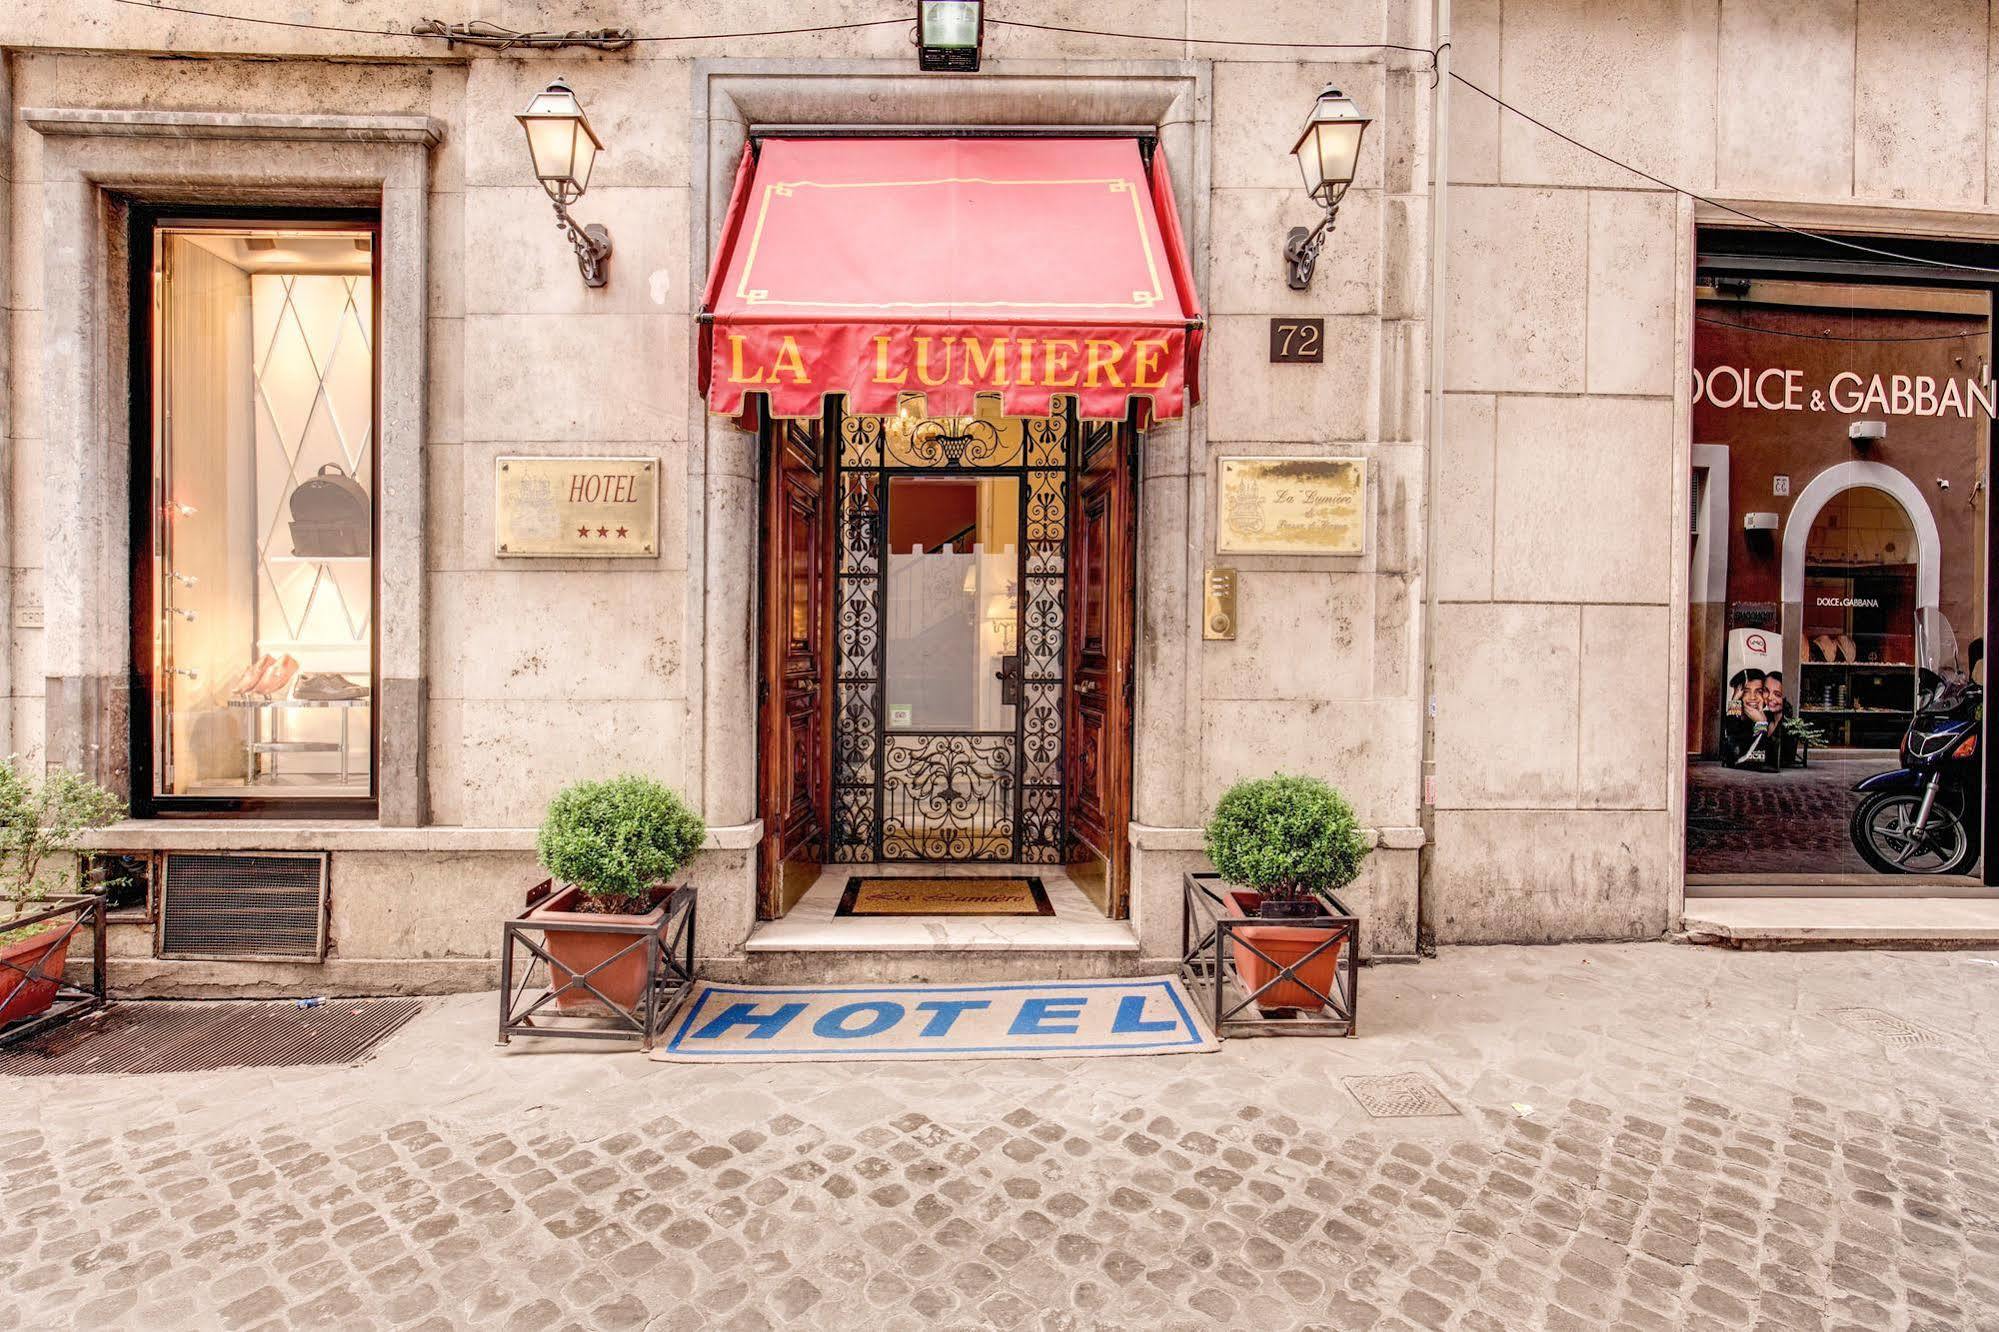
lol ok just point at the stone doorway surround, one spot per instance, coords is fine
(1169, 98)
(94, 163)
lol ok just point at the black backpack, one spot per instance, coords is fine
(330, 515)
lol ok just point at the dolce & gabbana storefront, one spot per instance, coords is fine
(1839, 574)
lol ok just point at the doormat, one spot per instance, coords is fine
(997, 896)
(171, 1037)
(991, 1020)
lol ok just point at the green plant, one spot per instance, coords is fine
(40, 825)
(616, 839)
(1287, 838)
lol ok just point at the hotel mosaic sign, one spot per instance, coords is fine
(576, 508)
(1292, 506)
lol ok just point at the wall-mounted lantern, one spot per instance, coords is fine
(564, 148)
(1328, 152)
(948, 35)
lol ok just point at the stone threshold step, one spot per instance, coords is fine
(930, 934)
(1919, 921)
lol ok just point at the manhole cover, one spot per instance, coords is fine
(200, 1038)
(1886, 1028)
(1399, 1096)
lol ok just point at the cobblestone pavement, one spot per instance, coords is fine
(1754, 821)
(1647, 1137)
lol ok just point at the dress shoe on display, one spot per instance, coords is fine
(252, 673)
(273, 682)
(327, 687)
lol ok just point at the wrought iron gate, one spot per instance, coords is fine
(949, 795)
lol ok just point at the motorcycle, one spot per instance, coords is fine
(1924, 817)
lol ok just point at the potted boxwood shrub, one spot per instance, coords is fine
(1283, 844)
(612, 846)
(39, 828)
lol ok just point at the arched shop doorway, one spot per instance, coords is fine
(1860, 565)
(1845, 520)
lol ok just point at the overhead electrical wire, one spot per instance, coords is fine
(1494, 98)
(1697, 197)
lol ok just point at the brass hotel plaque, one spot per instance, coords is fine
(589, 508)
(1292, 506)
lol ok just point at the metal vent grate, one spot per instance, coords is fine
(186, 1038)
(242, 906)
(1399, 1096)
(1895, 1032)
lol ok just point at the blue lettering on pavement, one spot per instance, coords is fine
(1037, 1017)
(1131, 1018)
(832, 1025)
(763, 1026)
(944, 1012)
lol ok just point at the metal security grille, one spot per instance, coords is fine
(944, 796)
(243, 905)
(189, 1038)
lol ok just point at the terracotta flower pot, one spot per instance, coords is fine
(1285, 944)
(42, 954)
(577, 951)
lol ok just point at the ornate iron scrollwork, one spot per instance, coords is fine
(991, 796)
(954, 441)
(948, 797)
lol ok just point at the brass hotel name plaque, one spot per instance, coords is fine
(1292, 506)
(587, 508)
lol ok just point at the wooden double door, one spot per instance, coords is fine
(946, 646)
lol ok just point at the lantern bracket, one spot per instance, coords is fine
(592, 243)
(1301, 249)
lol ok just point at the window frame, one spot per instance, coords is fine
(144, 223)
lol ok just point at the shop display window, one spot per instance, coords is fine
(1842, 432)
(262, 585)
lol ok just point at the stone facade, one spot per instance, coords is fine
(1527, 480)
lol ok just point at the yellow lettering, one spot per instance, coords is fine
(1052, 365)
(881, 363)
(1101, 354)
(923, 362)
(984, 368)
(1146, 368)
(737, 373)
(788, 359)
(1025, 370)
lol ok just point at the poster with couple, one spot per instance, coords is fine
(1759, 727)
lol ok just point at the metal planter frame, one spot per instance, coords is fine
(71, 1001)
(1208, 939)
(668, 945)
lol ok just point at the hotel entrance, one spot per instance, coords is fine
(950, 348)
(946, 641)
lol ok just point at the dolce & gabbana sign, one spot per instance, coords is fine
(1845, 393)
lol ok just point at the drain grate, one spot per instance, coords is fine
(1399, 1096)
(1892, 1031)
(200, 1038)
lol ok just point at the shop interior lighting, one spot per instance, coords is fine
(1328, 153)
(948, 35)
(564, 149)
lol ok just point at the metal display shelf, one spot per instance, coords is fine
(254, 742)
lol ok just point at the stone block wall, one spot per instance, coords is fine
(1562, 465)
(1562, 561)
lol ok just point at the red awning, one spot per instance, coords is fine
(871, 267)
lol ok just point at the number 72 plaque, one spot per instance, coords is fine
(1297, 341)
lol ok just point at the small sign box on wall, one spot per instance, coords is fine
(1292, 506)
(1297, 341)
(576, 508)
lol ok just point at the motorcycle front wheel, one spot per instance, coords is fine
(1883, 828)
